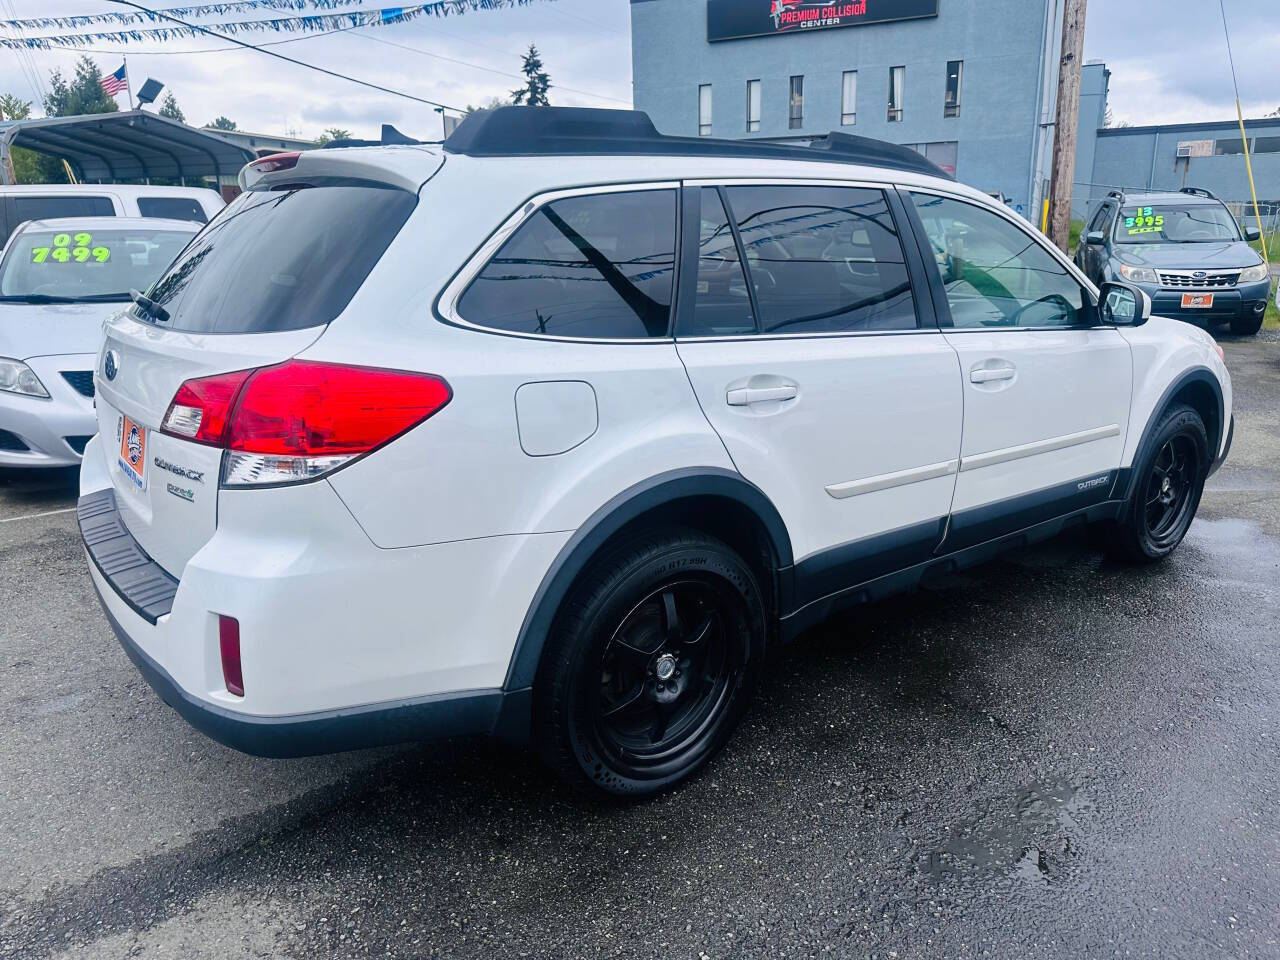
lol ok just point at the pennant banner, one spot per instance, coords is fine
(302, 24)
(200, 10)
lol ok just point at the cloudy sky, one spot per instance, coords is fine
(1167, 59)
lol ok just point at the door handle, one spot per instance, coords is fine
(990, 374)
(743, 396)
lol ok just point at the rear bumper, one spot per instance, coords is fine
(475, 712)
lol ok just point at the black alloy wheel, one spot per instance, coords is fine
(650, 664)
(1170, 486)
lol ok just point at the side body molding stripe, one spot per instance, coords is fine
(990, 459)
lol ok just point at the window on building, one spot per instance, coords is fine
(704, 110)
(951, 103)
(1229, 147)
(599, 265)
(753, 106)
(722, 306)
(1266, 145)
(897, 92)
(996, 274)
(823, 259)
(849, 98)
(795, 115)
(943, 153)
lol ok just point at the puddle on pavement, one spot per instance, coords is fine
(1032, 837)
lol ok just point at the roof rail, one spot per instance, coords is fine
(1198, 192)
(391, 137)
(582, 131)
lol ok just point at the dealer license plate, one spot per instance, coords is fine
(1197, 301)
(133, 452)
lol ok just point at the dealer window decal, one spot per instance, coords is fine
(1143, 221)
(71, 248)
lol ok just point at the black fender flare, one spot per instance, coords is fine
(608, 520)
(1128, 476)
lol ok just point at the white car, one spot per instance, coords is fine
(47, 201)
(59, 280)
(551, 431)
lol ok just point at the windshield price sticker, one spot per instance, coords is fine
(1143, 221)
(71, 248)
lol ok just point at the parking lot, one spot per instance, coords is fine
(1050, 756)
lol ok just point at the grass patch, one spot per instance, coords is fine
(1272, 319)
(1077, 228)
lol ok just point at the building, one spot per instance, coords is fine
(971, 85)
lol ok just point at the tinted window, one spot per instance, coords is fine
(722, 305)
(1176, 223)
(281, 259)
(995, 274)
(593, 266)
(172, 208)
(1099, 221)
(47, 208)
(823, 259)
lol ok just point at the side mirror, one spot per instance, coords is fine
(1252, 233)
(1095, 237)
(1123, 305)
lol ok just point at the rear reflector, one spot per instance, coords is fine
(300, 420)
(229, 645)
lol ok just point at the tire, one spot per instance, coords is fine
(1166, 490)
(649, 665)
(1247, 326)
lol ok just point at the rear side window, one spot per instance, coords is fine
(172, 208)
(48, 208)
(823, 259)
(281, 259)
(596, 266)
(722, 305)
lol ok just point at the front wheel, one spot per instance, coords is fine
(1247, 326)
(650, 665)
(1166, 491)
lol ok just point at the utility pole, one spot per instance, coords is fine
(1067, 119)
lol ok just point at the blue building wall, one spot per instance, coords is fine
(1146, 158)
(1004, 131)
(1095, 83)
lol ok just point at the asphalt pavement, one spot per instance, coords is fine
(1050, 756)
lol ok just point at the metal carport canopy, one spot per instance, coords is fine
(126, 145)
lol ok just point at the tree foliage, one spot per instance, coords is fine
(222, 123)
(333, 133)
(27, 165)
(81, 94)
(171, 109)
(537, 82)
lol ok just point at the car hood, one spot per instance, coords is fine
(1189, 256)
(49, 329)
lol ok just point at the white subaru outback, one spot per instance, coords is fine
(550, 431)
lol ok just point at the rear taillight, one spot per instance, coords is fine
(257, 169)
(300, 420)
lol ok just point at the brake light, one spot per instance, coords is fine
(300, 420)
(229, 647)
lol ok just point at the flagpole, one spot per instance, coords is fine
(127, 87)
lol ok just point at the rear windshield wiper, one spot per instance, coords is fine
(149, 307)
(54, 298)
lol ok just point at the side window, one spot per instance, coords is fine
(1099, 221)
(599, 265)
(995, 274)
(47, 208)
(172, 208)
(722, 306)
(823, 259)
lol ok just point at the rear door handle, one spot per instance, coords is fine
(990, 374)
(744, 396)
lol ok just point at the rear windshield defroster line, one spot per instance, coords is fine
(283, 259)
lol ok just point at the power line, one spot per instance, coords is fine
(476, 66)
(288, 59)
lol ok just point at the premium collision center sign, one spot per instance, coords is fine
(736, 19)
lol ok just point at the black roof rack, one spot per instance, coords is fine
(1198, 192)
(581, 131)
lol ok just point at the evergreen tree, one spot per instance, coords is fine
(537, 83)
(27, 166)
(222, 123)
(171, 109)
(82, 94)
(333, 133)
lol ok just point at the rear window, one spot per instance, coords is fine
(172, 208)
(281, 259)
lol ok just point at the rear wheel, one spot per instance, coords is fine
(1247, 326)
(651, 664)
(1166, 492)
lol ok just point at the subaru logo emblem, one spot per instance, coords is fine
(1199, 275)
(111, 365)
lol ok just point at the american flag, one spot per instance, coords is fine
(113, 83)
